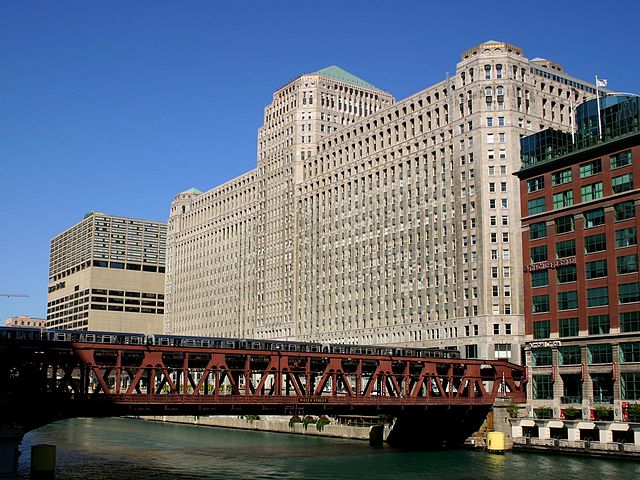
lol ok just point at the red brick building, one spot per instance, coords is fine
(580, 200)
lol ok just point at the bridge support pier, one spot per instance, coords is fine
(10, 439)
(501, 420)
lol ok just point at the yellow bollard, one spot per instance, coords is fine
(495, 442)
(43, 461)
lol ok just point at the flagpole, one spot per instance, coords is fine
(573, 128)
(598, 103)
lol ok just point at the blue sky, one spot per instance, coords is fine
(117, 106)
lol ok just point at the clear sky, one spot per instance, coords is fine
(116, 106)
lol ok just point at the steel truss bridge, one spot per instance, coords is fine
(41, 381)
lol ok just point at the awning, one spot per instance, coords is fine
(586, 425)
(619, 427)
(555, 424)
(527, 423)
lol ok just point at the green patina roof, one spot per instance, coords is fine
(336, 73)
(192, 190)
(490, 42)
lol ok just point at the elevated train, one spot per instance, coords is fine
(83, 336)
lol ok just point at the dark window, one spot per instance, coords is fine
(599, 354)
(629, 292)
(117, 265)
(593, 218)
(566, 248)
(597, 296)
(595, 243)
(562, 199)
(568, 327)
(567, 300)
(561, 177)
(471, 351)
(630, 322)
(535, 184)
(540, 303)
(536, 205)
(539, 278)
(627, 264)
(566, 273)
(542, 329)
(537, 230)
(569, 355)
(621, 159)
(596, 269)
(630, 385)
(592, 191)
(599, 324)
(542, 387)
(591, 168)
(622, 183)
(626, 237)
(624, 210)
(539, 254)
(541, 357)
(630, 352)
(564, 224)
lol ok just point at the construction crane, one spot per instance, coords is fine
(6, 294)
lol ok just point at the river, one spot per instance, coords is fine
(126, 449)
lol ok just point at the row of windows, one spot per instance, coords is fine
(597, 325)
(596, 297)
(596, 269)
(587, 169)
(588, 193)
(595, 354)
(542, 386)
(592, 244)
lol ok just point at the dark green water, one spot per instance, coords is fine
(124, 449)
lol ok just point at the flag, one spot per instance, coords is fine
(601, 82)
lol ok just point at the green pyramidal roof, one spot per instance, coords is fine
(336, 73)
(192, 190)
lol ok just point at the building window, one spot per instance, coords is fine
(624, 210)
(630, 385)
(540, 303)
(592, 191)
(496, 329)
(594, 218)
(622, 183)
(535, 184)
(542, 387)
(630, 322)
(539, 254)
(489, 121)
(627, 264)
(629, 292)
(568, 327)
(537, 230)
(562, 199)
(541, 357)
(599, 354)
(570, 355)
(536, 205)
(542, 329)
(626, 237)
(471, 351)
(591, 168)
(599, 324)
(564, 224)
(567, 300)
(596, 269)
(539, 278)
(566, 273)
(566, 248)
(558, 178)
(621, 159)
(630, 352)
(595, 243)
(597, 296)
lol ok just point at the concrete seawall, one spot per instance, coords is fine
(273, 424)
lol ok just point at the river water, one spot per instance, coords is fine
(124, 449)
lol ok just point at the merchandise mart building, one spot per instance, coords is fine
(580, 203)
(370, 220)
(106, 273)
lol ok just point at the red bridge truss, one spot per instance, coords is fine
(74, 379)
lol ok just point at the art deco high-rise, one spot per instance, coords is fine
(373, 221)
(106, 273)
